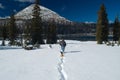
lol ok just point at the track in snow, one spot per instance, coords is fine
(63, 75)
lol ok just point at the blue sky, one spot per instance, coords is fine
(74, 10)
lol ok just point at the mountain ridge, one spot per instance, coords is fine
(45, 13)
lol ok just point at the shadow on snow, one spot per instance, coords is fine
(72, 52)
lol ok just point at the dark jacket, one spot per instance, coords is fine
(62, 43)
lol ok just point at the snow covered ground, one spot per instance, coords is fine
(82, 61)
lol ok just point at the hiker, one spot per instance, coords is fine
(63, 45)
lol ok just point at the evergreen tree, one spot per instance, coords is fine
(102, 26)
(12, 30)
(116, 29)
(27, 30)
(36, 33)
(119, 34)
(54, 34)
(4, 34)
(27, 36)
(51, 33)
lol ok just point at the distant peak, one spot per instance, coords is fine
(45, 13)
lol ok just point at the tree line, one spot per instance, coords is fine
(32, 33)
(34, 30)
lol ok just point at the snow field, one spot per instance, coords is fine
(82, 61)
(19, 64)
(88, 61)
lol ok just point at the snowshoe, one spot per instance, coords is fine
(62, 54)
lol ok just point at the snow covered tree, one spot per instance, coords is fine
(102, 26)
(116, 29)
(36, 27)
(51, 33)
(12, 30)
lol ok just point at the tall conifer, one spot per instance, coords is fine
(102, 26)
(36, 32)
(51, 33)
(116, 29)
(12, 30)
(4, 34)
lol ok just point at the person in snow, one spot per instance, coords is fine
(63, 45)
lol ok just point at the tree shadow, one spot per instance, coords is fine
(9, 48)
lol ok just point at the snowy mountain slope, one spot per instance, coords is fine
(82, 61)
(46, 14)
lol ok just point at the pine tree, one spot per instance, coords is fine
(102, 26)
(4, 34)
(27, 36)
(36, 33)
(51, 33)
(54, 34)
(12, 30)
(119, 34)
(48, 35)
(116, 29)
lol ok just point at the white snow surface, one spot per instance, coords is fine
(82, 61)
